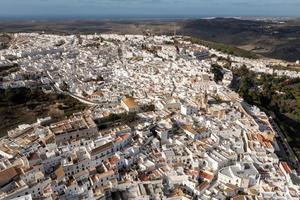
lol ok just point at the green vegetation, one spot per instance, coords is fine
(217, 71)
(279, 96)
(4, 40)
(111, 119)
(224, 48)
(24, 105)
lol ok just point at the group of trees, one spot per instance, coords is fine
(19, 95)
(279, 94)
(218, 72)
(269, 92)
(121, 118)
(34, 99)
(4, 41)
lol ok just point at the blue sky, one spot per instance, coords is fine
(153, 8)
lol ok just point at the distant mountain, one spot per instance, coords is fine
(269, 38)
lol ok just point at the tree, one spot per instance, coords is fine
(218, 73)
(56, 113)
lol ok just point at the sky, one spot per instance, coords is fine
(146, 8)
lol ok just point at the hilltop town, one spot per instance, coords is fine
(158, 123)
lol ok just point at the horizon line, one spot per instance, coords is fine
(135, 17)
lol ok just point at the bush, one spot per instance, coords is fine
(218, 73)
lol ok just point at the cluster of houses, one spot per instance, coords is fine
(158, 127)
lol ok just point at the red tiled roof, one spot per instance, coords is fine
(286, 167)
(113, 160)
(7, 175)
(206, 175)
